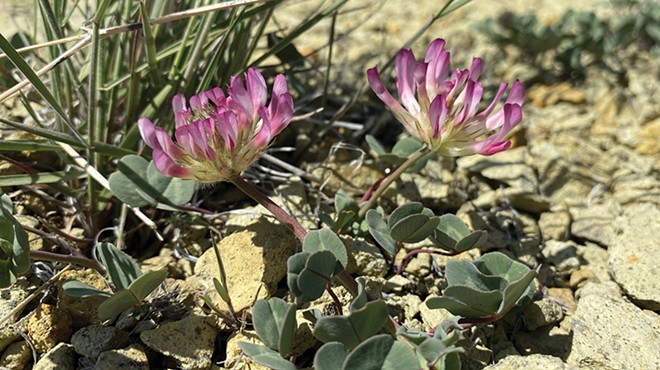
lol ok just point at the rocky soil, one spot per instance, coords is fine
(578, 197)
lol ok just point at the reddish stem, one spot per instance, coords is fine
(76, 260)
(283, 216)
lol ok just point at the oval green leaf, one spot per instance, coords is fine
(404, 211)
(118, 303)
(381, 352)
(380, 231)
(147, 283)
(266, 356)
(414, 228)
(75, 288)
(122, 268)
(318, 270)
(330, 356)
(326, 240)
(275, 323)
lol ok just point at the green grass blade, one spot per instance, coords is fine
(301, 29)
(32, 146)
(149, 41)
(40, 178)
(29, 73)
(102, 148)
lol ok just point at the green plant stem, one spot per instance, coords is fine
(283, 216)
(64, 258)
(92, 124)
(364, 207)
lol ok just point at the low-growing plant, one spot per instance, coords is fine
(578, 39)
(487, 289)
(217, 133)
(14, 245)
(130, 286)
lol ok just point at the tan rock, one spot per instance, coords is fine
(544, 95)
(133, 357)
(189, 341)
(48, 327)
(62, 357)
(555, 225)
(650, 135)
(580, 277)
(16, 356)
(564, 297)
(254, 260)
(235, 358)
(83, 311)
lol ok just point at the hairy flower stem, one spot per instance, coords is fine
(64, 258)
(387, 181)
(283, 216)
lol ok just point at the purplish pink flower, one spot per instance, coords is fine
(442, 109)
(217, 136)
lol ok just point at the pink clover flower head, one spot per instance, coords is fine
(219, 135)
(441, 107)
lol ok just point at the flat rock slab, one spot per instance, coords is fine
(634, 255)
(190, 341)
(544, 362)
(611, 333)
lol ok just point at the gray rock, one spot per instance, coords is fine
(634, 255)
(508, 167)
(189, 341)
(521, 200)
(533, 362)
(254, 260)
(404, 308)
(365, 258)
(560, 176)
(562, 255)
(610, 333)
(91, 340)
(61, 357)
(541, 313)
(548, 340)
(397, 283)
(581, 277)
(11, 297)
(435, 186)
(636, 189)
(433, 317)
(608, 289)
(595, 258)
(131, 358)
(555, 225)
(595, 223)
